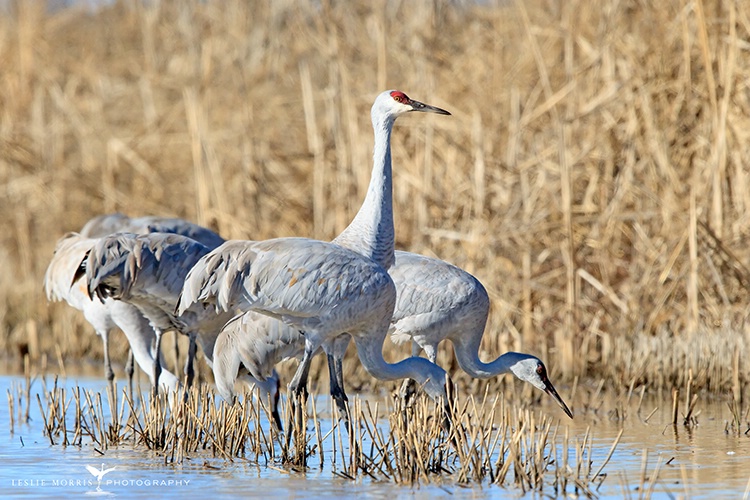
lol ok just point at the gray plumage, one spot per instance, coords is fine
(104, 316)
(435, 301)
(438, 301)
(149, 271)
(61, 283)
(236, 353)
(371, 234)
(308, 283)
(320, 288)
(103, 225)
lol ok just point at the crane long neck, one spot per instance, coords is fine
(467, 355)
(140, 335)
(370, 353)
(371, 233)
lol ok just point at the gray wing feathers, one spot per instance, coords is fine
(152, 264)
(431, 292)
(294, 279)
(106, 262)
(216, 279)
(259, 342)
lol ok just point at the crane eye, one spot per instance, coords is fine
(540, 369)
(399, 96)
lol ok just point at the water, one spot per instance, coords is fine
(699, 462)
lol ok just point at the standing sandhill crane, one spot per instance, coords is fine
(435, 301)
(60, 283)
(148, 271)
(104, 225)
(371, 234)
(438, 301)
(321, 289)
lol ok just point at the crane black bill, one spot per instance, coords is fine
(426, 108)
(549, 389)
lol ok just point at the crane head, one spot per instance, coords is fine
(394, 103)
(531, 369)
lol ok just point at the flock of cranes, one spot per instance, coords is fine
(252, 304)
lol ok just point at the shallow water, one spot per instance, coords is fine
(699, 462)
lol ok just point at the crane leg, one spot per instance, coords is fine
(189, 369)
(340, 373)
(297, 389)
(109, 374)
(157, 360)
(276, 417)
(130, 370)
(177, 352)
(337, 388)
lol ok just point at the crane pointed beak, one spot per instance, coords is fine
(426, 108)
(549, 389)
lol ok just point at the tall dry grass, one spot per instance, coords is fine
(593, 174)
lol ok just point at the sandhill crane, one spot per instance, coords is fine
(103, 225)
(60, 284)
(322, 289)
(438, 301)
(371, 234)
(148, 271)
(435, 301)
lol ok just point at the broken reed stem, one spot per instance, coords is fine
(690, 408)
(689, 388)
(645, 421)
(736, 387)
(27, 377)
(10, 411)
(609, 455)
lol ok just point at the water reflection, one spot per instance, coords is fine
(699, 461)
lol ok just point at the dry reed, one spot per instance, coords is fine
(487, 442)
(593, 174)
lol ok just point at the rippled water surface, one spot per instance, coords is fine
(703, 461)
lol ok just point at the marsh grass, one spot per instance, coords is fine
(593, 174)
(488, 441)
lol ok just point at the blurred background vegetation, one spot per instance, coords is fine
(593, 174)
